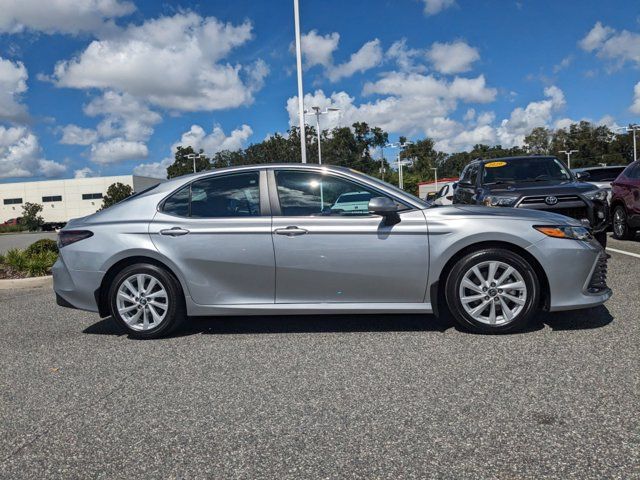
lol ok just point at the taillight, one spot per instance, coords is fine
(67, 237)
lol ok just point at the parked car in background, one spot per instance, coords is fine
(445, 194)
(601, 177)
(625, 203)
(12, 222)
(534, 182)
(261, 240)
(353, 202)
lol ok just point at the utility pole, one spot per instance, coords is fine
(633, 128)
(435, 172)
(303, 137)
(569, 153)
(193, 156)
(317, 112)
(401, 163)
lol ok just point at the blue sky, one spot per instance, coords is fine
(104, 87)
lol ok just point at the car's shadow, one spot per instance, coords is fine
(577, 320)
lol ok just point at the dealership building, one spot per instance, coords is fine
(63, 200)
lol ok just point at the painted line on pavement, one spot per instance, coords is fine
(623, 252)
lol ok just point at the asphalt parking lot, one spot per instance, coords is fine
(322, 397)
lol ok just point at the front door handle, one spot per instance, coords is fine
(291, 231)
(174, 232)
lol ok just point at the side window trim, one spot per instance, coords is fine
(265, 204)
(276, 209)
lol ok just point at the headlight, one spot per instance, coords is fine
(564, 231)
(600, 194)
(499, 201)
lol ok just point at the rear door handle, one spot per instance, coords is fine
(291, 231)
(174, 232)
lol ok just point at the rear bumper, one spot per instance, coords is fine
(75, 288)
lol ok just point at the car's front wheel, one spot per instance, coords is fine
(621, 229)
(492, 290)
(146, 301)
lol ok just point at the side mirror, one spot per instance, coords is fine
(386, 207)
(455, 185)
(583, 176)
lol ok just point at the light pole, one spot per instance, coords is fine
(569, 153)
(303, 137)
(632, 128)
(435, 172)
(317, 112)
(193, 156)
(401, 163)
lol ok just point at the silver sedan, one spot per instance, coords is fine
(274, 239)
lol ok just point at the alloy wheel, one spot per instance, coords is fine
(493, 293)
(142, 302)
(619, 222)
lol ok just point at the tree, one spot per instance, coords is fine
(183, 165)
(116, 193)
(31, 217)
(538, 141)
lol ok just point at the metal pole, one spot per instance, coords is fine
(303, 146)
(194, 164)
(382, 162)
(319, 146)
(435, 171)
(400, 177)
(635, 152)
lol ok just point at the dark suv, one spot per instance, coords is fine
(540, 183)
(625, 202)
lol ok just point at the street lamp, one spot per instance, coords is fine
(569, 153)
(317, 112)
(435, 172)
(401, 163)
(632, 128)
(193, 156)
(303, 146)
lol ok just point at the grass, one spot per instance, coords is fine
(11, 228)
(17, 263)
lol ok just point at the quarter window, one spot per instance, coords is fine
(52, 198)
(311, 193)
(218, 197)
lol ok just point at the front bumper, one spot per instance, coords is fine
(576, 272)
(75, 288)
(578, 207)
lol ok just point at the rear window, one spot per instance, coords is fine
(604, 174)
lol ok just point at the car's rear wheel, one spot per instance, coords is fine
(621, 229)
(146, 301)
(492, 291)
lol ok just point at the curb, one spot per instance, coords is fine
(20, 283)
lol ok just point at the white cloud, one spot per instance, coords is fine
(60, 16)
(75, 135)
(155, 169)
(84, 172)
(196, 137)
(635, 106)
(117, 150)
(456, 57)
(21, 155)
(512, 131)
(125, 116)
(171, 62)
(13, 83)
(432, 7)
(215, 141)
(408, 104)
(564, 63)
(369, 56)
(404, 56)
(318, 49)
(609, 44)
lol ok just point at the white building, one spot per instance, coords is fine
(63, 200)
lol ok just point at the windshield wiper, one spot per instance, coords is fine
(500, 182)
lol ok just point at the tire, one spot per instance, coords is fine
(159, 305)
(601, 237)
(621, 229)
(518, 303)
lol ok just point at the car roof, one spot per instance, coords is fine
(586, 169)
(520, 157)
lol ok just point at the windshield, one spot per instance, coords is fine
(518, 170)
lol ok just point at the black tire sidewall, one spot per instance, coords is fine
(516, 261)
(627, 233)
(175, 311)
(601, 238)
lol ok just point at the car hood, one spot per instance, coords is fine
(541, 188)
(541, 217)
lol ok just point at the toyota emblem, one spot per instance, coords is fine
(551, 200)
